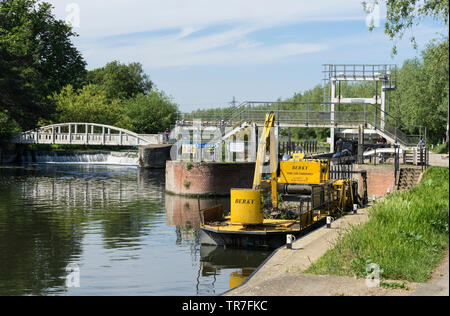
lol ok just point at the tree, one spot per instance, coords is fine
(89, 105)
(37, 59)
(402, 15)
(421, 98)
(7, 126)
(17, 94)
(436, 60)
(151, 113)
(121, 81)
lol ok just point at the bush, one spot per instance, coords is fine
(151, 113)
(89, 105)
(441, 149)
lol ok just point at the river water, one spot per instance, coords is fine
(86, 229)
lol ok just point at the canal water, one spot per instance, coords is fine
(84, 229)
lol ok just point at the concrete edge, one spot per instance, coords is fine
(315, 234)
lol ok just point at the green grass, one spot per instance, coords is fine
(406, 235)
(441, 149)
(394, 285)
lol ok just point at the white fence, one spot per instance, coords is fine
(91, 134)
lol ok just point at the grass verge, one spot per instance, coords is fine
(407, 235)
(441, 149)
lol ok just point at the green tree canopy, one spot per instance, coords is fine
(421, 98)
(120, 80)
(7, 126)
(37, 58)
(88, 105)
(151, 113)
(402, 15)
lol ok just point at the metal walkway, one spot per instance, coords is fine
(314, 115)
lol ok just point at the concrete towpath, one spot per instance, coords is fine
(439, 283)
(282, 274)
(439, 160)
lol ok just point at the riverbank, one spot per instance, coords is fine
(408, 240)
(280, 273)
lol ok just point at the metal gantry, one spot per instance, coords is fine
(334, 74)
(337, 112)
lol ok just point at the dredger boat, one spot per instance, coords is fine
(299, 180)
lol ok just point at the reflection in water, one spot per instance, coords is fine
(116, 224)
(182, 211)
(215, 259)
(237, 264)
(237, 278)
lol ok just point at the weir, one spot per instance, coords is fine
(81, 157)
(152, 154)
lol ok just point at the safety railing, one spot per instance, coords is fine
(315, 114)
(362, 72)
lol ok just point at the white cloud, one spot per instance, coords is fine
(111, 17)
(230, 47)
(122, 29)
(238, 55)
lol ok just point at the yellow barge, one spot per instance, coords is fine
(305, 181)
(270, 234)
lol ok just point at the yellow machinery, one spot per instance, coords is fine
(305, 180)
(304, 171)
(298, 175)
(243, 212)
(246, 207)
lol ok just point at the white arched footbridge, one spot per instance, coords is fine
(85, 134)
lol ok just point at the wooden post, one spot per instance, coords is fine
(103, 135)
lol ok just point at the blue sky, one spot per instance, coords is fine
(204, 52)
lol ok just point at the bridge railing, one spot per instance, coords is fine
(212, 118)
(69, 134)
(317, 114)
(79, 139)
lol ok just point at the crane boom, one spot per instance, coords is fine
(267, 137)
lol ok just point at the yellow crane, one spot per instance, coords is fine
(299, 177)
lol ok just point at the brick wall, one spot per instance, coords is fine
(185, 178)
(379, 179)
(192, 178)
